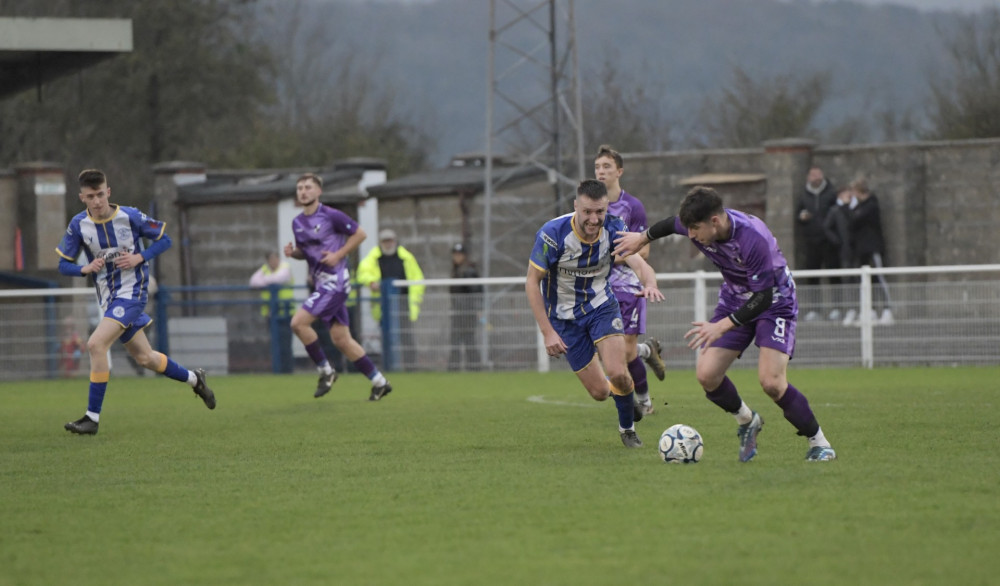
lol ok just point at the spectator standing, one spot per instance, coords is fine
(838, 230)
(71, 348)
(869, 246)
(390, 260)
(277, 272)
(466, 309)
(815, 202)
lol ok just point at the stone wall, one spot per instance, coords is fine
(227, 243)
(428, 226)
(939, 200)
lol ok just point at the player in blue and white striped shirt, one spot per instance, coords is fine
(110, 237)
(572, 302)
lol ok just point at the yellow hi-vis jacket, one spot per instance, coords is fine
(369, 272)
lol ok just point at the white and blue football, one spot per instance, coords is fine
(681, 444)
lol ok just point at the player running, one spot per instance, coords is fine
(323, 238)
(757, 303)
(111, 238)
(571, 299)
(608, 168)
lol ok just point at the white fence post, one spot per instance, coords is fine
(543, 355)
(867, 335)
(700, 290)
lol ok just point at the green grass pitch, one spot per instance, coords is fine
(508, 478)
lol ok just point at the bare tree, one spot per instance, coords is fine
(189, 90)
(751, 111)
(965, 100)
(622, 111)
(331, 102)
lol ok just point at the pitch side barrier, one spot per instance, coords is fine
(941, 315)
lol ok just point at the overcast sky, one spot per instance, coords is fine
(965, 5)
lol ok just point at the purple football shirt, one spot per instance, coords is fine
(326, 230)
(633, 214)
(750, 261)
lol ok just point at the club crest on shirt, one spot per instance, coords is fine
(123, 233)
(118, 312)
(316, 228)
(617, 324)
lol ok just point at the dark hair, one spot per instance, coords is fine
(592, 189)
(605, 150)
(860, 185)
(700, 204)
(310, 177)
(92, 178)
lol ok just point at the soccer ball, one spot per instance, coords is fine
(681, 444)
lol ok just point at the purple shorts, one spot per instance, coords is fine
(328, 304)
(767, 331)
(633, 312)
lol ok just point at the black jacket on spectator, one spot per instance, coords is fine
(866, 228)
(838, 231)
(818, 205)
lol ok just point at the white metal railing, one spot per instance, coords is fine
(943, 315)
(918, 320)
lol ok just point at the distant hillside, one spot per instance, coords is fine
(435, 53)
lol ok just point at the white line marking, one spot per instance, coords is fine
(542, 400)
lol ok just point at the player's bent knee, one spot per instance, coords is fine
(96, 348)
(600, 394)
(709, 379)
(773, 386)
(621, 383)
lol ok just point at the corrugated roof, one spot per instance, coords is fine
(34, 51)
(453, 180)
(255, 186)
(722, 178)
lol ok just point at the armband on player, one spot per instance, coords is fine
(660, 229)
(754, 306)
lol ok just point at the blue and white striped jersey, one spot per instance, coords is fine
(120, 234)
(576, 271)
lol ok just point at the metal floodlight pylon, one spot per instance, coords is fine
(533, 104)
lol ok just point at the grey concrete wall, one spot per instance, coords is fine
(41, 205)
(166, 178)
(8, 220)
(940, 202)
(227, 243)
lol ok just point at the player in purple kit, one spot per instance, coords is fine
(323, 238)
(757, 303)
(572, 303)
(608, 168)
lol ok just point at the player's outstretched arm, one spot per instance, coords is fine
(629, 243)
(648, 277)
